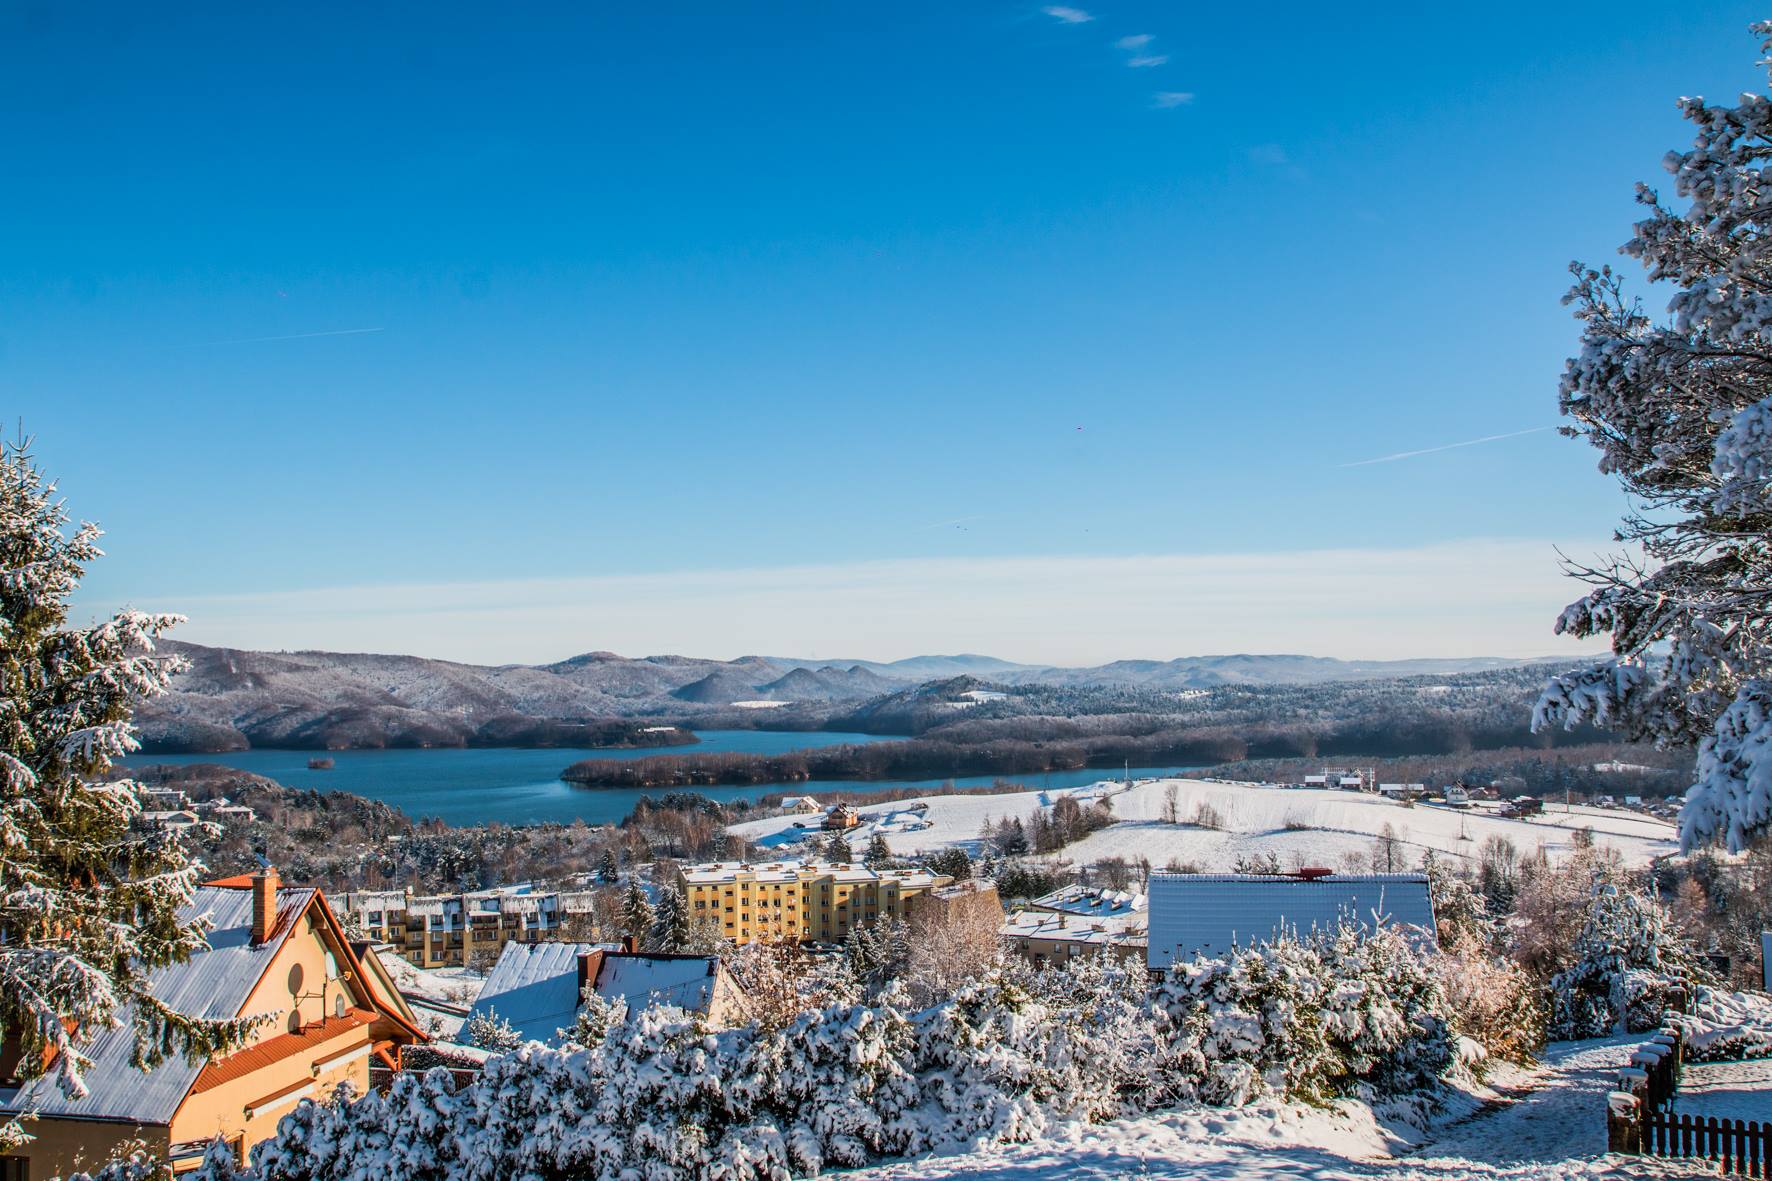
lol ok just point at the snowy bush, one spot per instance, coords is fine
(1334, 1015)
(1242, 1025)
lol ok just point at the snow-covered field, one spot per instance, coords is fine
(1319, 826)
(1727, 1090)
(1551, 1127)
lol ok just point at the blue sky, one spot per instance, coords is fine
(837, 296)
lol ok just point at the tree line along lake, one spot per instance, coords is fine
(488, 785)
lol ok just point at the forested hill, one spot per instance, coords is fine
(230, 699)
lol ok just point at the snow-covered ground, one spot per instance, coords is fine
(1319, 826)
(1727, 1090)
(1551, 1128)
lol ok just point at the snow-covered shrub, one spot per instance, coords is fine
(1337, 1014)
(1630, 965)
(1243, 1024)
(980, 1060)
(1386, 1017)
(1104, 1044)
(841, 1077)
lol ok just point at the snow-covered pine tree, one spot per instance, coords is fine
(89, 899)
(1630, 963)
(636, 913)
(608, 871)
(1681, 410)
(670, 930)
(879, 854)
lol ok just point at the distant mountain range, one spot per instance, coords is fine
(230, 698)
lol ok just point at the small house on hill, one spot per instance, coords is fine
(806, 805)
(1209, 913)
(841, 817)
(274, 951)
(537, 987)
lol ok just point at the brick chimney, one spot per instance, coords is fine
(590, 965)
(264, 903)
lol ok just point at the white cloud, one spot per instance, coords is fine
(1454, 598)
(1070, 16)
(1136, 45)
(1165, 100)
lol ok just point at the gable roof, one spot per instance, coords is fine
(213, 984)
(1195, 913)
(534, 986)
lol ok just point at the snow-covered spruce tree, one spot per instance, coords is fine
(1681, 410)
(636, 914)
(1630, 963)
(670, 922)
(89, 901)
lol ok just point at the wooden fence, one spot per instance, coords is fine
(1739, 1146)
(1638, 1120)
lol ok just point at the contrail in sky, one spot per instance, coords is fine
(297, 336)
(955, 521)
(1443, 447)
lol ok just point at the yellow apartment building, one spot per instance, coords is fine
(798, 902)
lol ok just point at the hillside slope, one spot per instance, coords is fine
(230, 699)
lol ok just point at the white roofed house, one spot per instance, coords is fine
(537, 987)
(274, 951)
(1048, 937)
(1209, 913)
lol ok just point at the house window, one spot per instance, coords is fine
(15, 1168)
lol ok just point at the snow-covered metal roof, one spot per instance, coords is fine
(1191, 913)
(213, 984)
(684, 981)
(534, 986)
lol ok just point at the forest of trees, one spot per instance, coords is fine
(1016, 736)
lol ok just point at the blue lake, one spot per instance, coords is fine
(506, 786)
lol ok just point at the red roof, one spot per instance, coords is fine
(275, 1049)
(240, 881)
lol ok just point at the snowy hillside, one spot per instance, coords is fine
(1317, 825)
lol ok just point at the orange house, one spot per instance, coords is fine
(274, 951)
